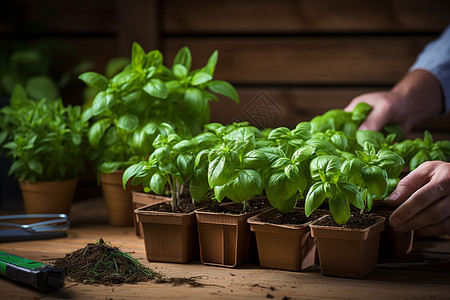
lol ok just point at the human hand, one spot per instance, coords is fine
(415, 99)
(423, 200)
(387, 108)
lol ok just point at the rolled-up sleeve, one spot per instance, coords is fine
(435, 58)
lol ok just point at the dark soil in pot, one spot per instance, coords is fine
(356, 221)
(183, 207)
(294, 217)
(237, 208)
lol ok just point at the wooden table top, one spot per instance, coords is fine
(423, 274)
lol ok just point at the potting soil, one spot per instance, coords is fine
(356, 221)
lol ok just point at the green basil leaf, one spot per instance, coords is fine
(340, 208)
(35, 166)
(200, 78)
(183, 58)
(180, 71)
(97, 131)
(42, 87)
(418, 159)
(375, 179)
(302, 154)
(374, 137)
(279, 132)
(302, 131)
(315, 197)
(211, 64)
(224, 88)
(351, 193)
(279, 188)
(102, 102)
(221, 171)
(294, 173)
(360, 112)
(247, 185)
(94, 80)
(131, 171)
(184, 146)
(137, 57)
(195, 103)
(326, 168)
(158, 183)
(156, 88)
(254, 159)
(351, 167)
(128, 122)
(284, 205)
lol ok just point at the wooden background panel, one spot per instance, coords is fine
(65, 17)
(324, 60)
(263, 16)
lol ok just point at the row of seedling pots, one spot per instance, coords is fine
(223, 239)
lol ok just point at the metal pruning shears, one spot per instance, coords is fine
(55, 227)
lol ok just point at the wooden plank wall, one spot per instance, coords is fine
(290, 59)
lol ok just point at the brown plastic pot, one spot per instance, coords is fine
(169, 237)
(285, 247)
(345, 252)
(224, 238)
(393, 244)
(118, 200)
(141, 199)
(48, 197)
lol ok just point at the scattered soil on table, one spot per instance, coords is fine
(101, 263)
(294, 217)
(253, 204)
(356, 221)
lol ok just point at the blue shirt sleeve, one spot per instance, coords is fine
(435, 58)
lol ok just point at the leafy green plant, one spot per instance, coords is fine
(235, 165)
(45, 140)
(170, 168)
(129, 107)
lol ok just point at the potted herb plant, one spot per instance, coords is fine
(234, 173)
(46, 142)
(128, 108)
(169, 227)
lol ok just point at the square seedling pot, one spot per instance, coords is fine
(345, 252)
(169, 237)
(285, 247)
(141, 199)
(224, 238)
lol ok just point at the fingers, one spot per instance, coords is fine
(424, 199)
(376, 119)
(435, 229)
(433, 220)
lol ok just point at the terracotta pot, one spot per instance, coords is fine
(224, 238)
(48, 197)
(345, 252)
(285, 247)
(141, 199)
(118, 201)
(169, 237)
